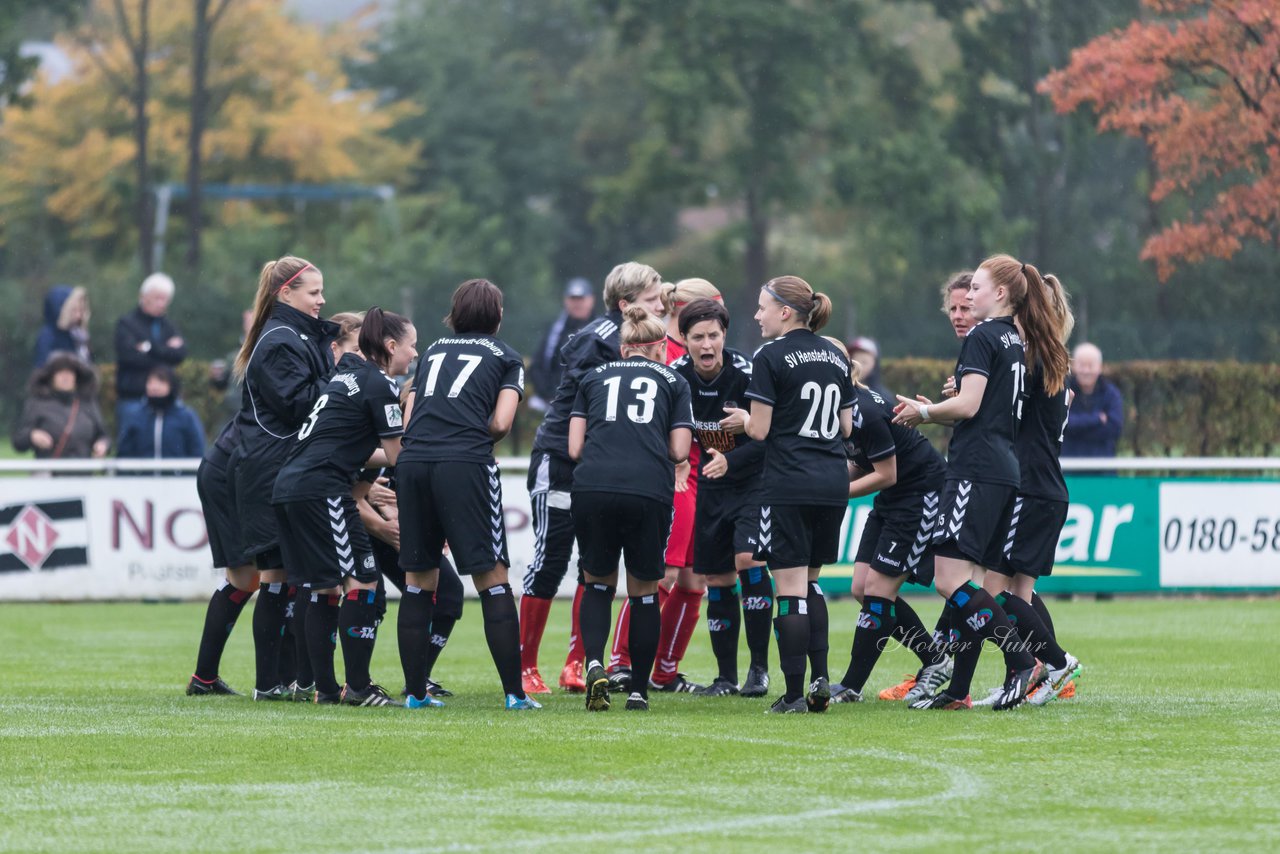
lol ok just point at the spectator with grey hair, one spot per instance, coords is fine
(1097, 410)
(145, 339)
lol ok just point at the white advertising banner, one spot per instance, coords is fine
(65, 538)
(1219, 534)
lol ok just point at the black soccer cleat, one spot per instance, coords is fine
(374, 695)
(435, 689)
(620, 680)
(637, 702)
(719, 687)
(302, 693)
(1019, 684)
(819, 699)
(783, 706)
(757, 684)
(678, 685)
(943, 702)
(198, 687)
(597, 688)
(320, 698)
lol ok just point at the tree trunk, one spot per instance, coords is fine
(755, 267)
(144, 212)
(199, 109)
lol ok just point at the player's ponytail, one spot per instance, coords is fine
(380, 326)
(274, 277)
(812, 308)
(1042, 310)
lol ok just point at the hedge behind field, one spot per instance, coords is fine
(1172, 409)
(1178, 409)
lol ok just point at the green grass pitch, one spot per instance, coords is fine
(1172, 744)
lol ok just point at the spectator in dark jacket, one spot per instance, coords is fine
(145, 337)
(61, 419)
(1097, 410)
(545, 370)
(66, 324)
(866, 353)
(165, 428)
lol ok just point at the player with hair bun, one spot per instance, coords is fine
(680, 593)
(321, 534)
(1008, 302)
(801, 408)
(631, 423)
(466, 390)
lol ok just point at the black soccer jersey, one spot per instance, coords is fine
(1039, 441)
(594, 345)
(455, 389)
(631, 408)
(981, 448)
(709, 397)
(357, 409)
(875, 437)
(806, 381)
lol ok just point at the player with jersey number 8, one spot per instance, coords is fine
(801, 408)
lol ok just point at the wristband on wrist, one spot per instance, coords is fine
(924, 414)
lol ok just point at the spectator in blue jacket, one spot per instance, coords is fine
(1097, 410)
(66, 325)
(165, 427)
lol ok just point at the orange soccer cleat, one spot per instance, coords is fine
(899, 691)
(1069, 691)
(571, 678)
(531, 681)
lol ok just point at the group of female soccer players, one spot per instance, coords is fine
(693, 468)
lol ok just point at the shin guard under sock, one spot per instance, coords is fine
(220, 617)
(792, 628)
(533, 622)
(358, 631)
(413, 635)
(322, 637)
(646, 623)
(723, 616)
(441, 630)
(909, 631)
(268, 629)
(597, 608)
(679, 618)
(1038, 640)
(876, 622)
(1043, 611)
(298, 625)
(757, 613)
(979, 617)
(819, 642)
(502, 632)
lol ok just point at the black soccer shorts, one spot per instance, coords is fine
(324, 542)
(459, 502)
(897, 538)
(725, 525)
(793, 535)
(612, 525)
(218, 501)
(1032, 541)
(974, 521)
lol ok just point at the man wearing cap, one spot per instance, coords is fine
(544, 373)
(145, 339)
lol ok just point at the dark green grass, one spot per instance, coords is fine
(1173, 743)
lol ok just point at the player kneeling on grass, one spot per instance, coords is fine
(728, 509)
(630, 424)
(321, 532)
(907, 475)
(466, 390)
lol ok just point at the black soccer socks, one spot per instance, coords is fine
(876, 623)
(723, 616)
(322, 638)
(757, 613)
(646, 625)
(595, 613)
(220, 617)
(358, 631)
(268, 628)
(819, 628)
(792, 628)
(1040, 641)
(413, 634)
(502, 631)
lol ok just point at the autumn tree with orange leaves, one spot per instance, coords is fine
(1200, 83)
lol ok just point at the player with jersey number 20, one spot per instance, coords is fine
(802, 409)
